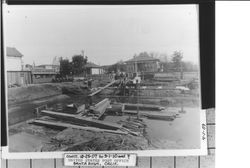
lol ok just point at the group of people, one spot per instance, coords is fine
(119, 75)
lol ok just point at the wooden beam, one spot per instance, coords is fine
(99, 90)
(149, 107)
(67, 125)
(154, 115)
(155, 97)
(101, 107)
(79, 120)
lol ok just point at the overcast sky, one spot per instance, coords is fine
(107, 34)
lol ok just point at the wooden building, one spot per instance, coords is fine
(93, 69)
(13, 60)
(16, 76)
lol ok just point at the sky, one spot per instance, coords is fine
(107, 34)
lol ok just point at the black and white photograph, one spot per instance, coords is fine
(94, 78)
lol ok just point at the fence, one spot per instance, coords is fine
(42, 80)
(186, 75)
(19, 78)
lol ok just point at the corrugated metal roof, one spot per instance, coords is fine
(13, 52)
(142, 58)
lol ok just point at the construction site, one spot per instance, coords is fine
(111, 114)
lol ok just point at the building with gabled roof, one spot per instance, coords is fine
(142, 64)
(93, 69)
(13, 60)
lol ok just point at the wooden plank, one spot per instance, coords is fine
(154, 97)
(151, 106)
(21, 163)
(81, 120)
(154, 89)
(3, 163)
(154, 115)
(211, 136)
(210, 116)
(207, 161)
(187, 162)
(211, 151)
(99, 90)
(66, 125)
(60, 164)
(163, 162)
(142, 162)
(43, 163)
(101, 107)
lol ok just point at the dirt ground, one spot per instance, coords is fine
(38, 91)
(81, 140)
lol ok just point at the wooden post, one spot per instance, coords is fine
(138, 89)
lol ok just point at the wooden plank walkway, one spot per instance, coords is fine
(99, 90)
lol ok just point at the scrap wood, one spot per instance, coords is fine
(81, 109)
(131, 132)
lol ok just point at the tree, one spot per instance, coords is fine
(65, 67)
(78, 64)
(177, 61)
(144, 54)
(119, 66)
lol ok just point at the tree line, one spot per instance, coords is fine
(77, 66)
(168, 63)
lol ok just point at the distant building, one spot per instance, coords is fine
(142, 64)
(56, 68)
(44, 73)
(93, 69)
(14, 60)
